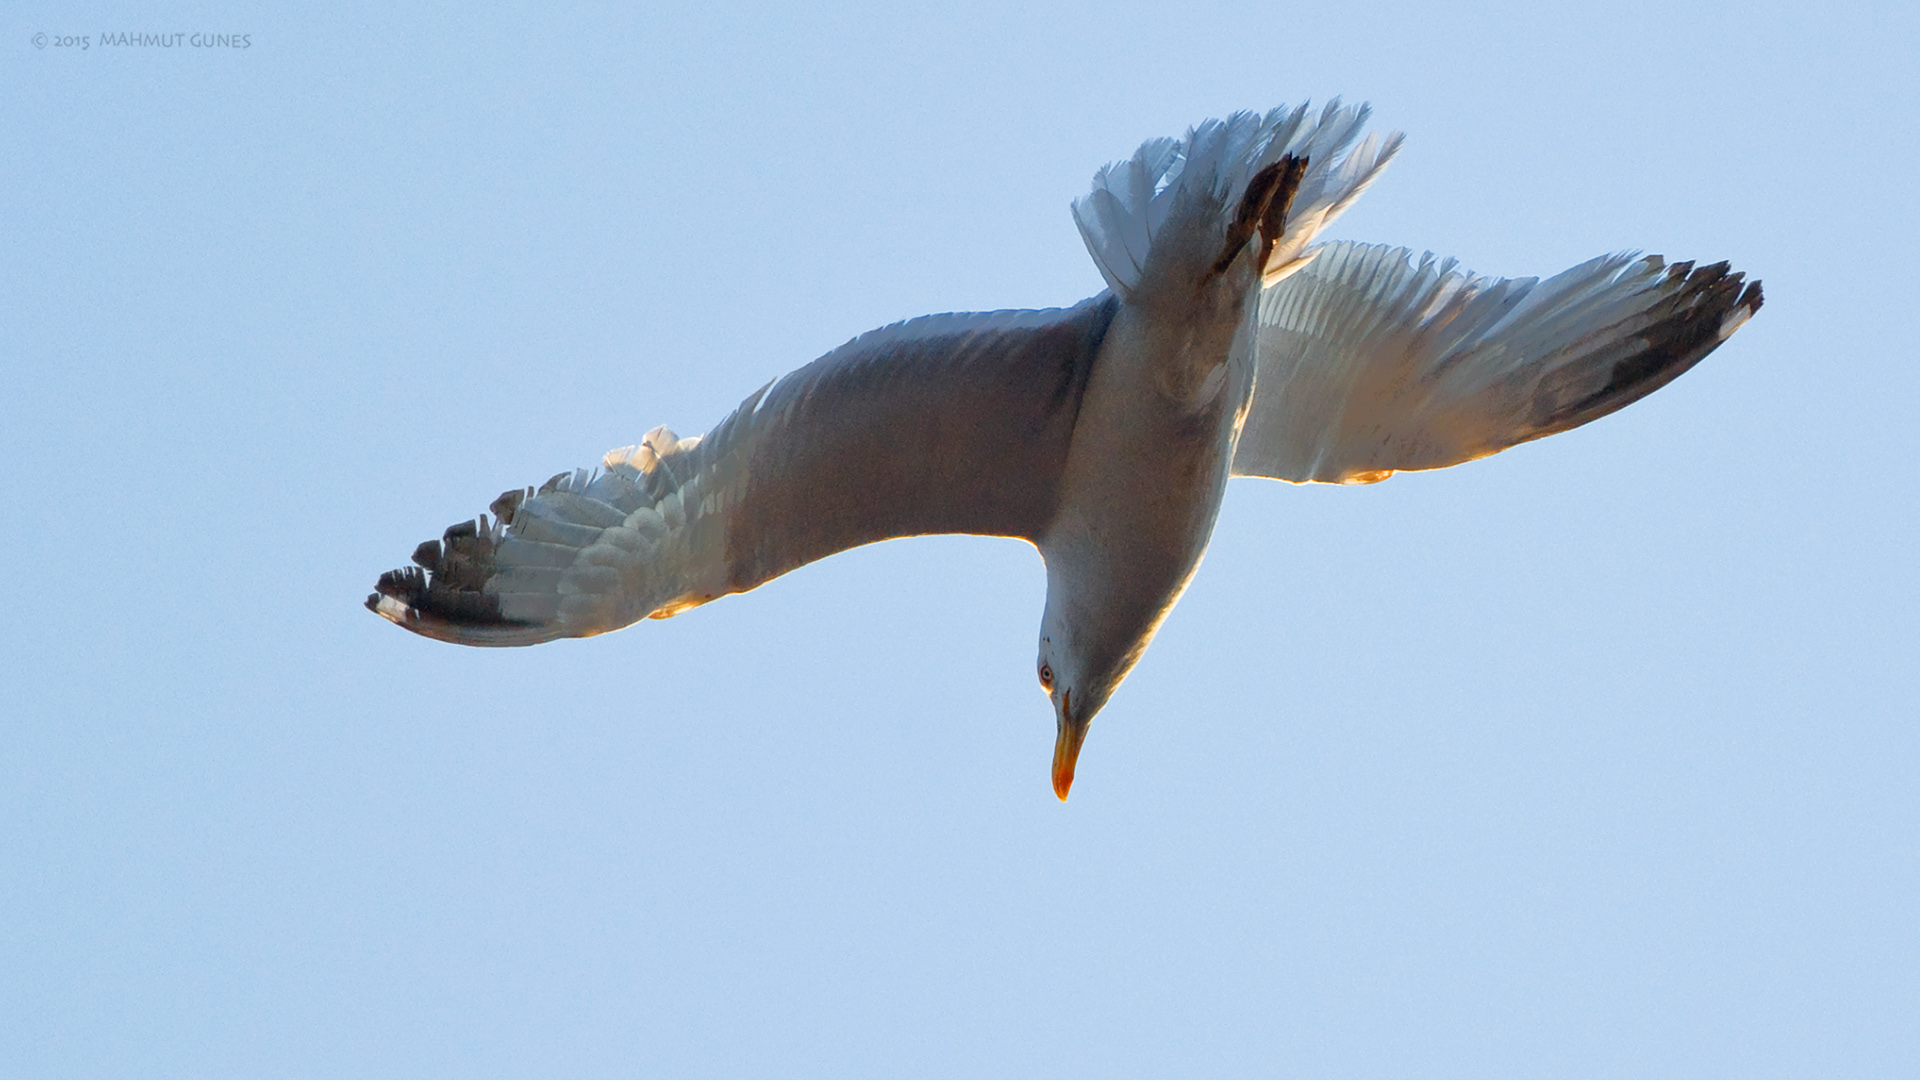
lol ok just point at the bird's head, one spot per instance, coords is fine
(1079, 686)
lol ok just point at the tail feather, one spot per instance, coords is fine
(1132, 199)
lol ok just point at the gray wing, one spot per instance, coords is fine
(1371, 363)
(944, 424)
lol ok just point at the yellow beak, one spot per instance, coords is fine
(1066, 749)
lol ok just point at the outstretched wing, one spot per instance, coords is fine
(1370, 363)
(944, 424)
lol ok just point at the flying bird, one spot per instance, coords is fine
(1227, 343)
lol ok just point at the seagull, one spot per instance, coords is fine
(1227, 343)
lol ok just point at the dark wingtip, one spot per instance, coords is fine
(1709, 304)
(444, 595)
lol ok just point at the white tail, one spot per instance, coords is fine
(1131, 199)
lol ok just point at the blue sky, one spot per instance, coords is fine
(1596, 758)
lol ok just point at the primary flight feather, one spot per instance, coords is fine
(1226, 344)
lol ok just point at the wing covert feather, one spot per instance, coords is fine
(950, 424)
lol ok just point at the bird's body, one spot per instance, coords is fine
(1147, 467)
(1104, 433)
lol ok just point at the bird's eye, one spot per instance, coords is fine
(1046, 678)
